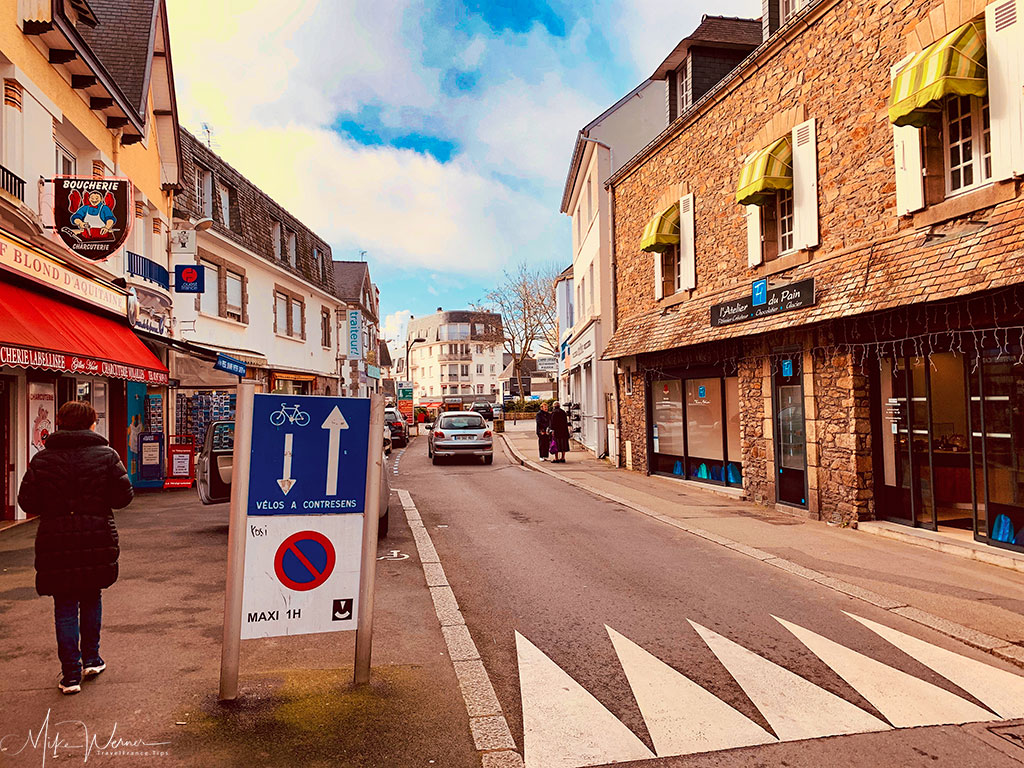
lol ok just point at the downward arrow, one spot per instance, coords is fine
(335, 422)
(286, 481)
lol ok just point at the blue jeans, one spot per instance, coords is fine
(72, 613)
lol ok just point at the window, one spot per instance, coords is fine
(292, 259)
(492, 369)
(325, 328)
(233, 289)
(298, 326)
(281, 313)
(465, 370)
(209, 300)
(276, 227)
(66, 164)
(784, 207)
(224, 197)
(479, 329)
(479, 349)
(319, 264)
(590, 286)
(787, 10)
(479, 368)
(968, 150)
(670, 273)
(204, 192)
(479, 389)
(590, 200)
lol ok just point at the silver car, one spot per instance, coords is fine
(460, 433)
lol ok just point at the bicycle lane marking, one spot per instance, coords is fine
(491, 734)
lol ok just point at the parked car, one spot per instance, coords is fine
(460, 433)
(484, 409)
(215, 470)
(498, 411)
(399, 428)
(387, 440)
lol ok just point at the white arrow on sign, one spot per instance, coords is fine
(335, 422)
(286, 481)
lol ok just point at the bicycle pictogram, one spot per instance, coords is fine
(290, 413)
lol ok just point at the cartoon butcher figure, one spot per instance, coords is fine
(94, 218)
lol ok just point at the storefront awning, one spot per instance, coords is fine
(769, 170)
(662, 231)
(37, 331)
(954, 65)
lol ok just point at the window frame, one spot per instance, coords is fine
(276, 240)
(293, 257)
(204, 191)
(212, 280)
(785, 213)
(224, 198)
(61, 152)
(979, 108)
(231, 310)
(325, 328)
(280, 298)
(671, 277)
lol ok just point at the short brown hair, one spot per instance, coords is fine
(76, 414)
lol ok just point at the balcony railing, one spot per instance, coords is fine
(454, 357)
(12, 184)
(147, 269)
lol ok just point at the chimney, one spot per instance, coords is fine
(438, 309)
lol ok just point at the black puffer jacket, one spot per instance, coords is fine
(73, 484)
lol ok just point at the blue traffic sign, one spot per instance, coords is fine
(230, 365)
(309, 455)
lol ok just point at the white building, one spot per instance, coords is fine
(564, 310)
(461, 354)
(601, 148)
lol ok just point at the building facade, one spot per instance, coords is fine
(838, 329)
(269, 300)
(88, 104)
(359, 329)
(461, 354)
(564, 311)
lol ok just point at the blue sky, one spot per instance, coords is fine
(434, 136)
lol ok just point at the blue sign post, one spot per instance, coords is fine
(230, 365)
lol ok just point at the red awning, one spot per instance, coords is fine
(37, 331)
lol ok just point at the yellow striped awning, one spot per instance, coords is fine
(662, 231)
(954, 65)
(769, 170)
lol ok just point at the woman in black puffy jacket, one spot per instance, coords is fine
(73, 485)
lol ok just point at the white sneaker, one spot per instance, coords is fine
(93, 671)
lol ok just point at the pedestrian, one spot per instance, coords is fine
(543, 431)
(560, 431)
(73, 484)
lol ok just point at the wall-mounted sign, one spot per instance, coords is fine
(759, 292)
(23, 357)
(183, 242)
(230, 365)
(190, 278)
(42, 414)
(355, 334)
(782, 299)
(149, 311)
(373, 371)
(787, 368)
(91, 215)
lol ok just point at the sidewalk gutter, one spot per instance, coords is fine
(997, 646)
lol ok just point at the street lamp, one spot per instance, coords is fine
(408, 372)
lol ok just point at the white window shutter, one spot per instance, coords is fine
(754, 254)
(659, 285)
(909, 169)
(805, 185)
(1004, 32)
(687, 246)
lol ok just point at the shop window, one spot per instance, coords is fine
(704, 429)
(667, 430)
(234, 295)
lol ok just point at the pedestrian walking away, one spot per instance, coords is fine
(73, 484)
(543, 431)
(560, 431)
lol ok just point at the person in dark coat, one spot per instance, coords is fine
(560, 430)
(73, 485)
(543, 431)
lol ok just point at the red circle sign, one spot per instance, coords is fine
(304, 561)
(190, 274)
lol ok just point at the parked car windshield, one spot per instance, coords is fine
(466, 421)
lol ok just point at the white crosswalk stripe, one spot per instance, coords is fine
(566, 727)
(786, 699)
(681, 716)
(1002, 692)
(904, 700)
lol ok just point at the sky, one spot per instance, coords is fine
(431, 139)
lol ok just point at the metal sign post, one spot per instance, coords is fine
(236, 543)
(371, 518)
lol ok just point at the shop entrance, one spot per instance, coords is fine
(790, 433)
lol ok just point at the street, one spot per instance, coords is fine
(540, 569)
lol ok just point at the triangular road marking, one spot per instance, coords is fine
(794, 707)
(682, 717)
(906, 701)
(1002, 691)
(564, 726)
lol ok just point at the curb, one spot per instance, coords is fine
(997, 646)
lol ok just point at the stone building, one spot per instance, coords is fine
(819, 271)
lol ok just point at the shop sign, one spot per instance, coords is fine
(782, 299)
(183, 242)
(151, 453)
(373, 371)
(58, 361)
(149, 311)
(190, 278)
(91, 215)
(42, 411)
(230, 365)
(47, 271)
(403, 392)
(355, 334)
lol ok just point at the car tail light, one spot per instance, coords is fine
(487, 433)
(439, 434)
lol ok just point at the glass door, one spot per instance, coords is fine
(790, 433)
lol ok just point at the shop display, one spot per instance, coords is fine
(195, 411)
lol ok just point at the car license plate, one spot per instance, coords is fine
(465, 437)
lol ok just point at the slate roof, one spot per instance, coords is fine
(714, 31)
(123, 42)
(349, 279)
(384, 356)
(873, 276)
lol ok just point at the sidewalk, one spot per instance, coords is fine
(161, 641)
(977, 603)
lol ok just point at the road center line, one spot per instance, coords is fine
(491, 734)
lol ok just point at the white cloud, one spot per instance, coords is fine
(394, 326)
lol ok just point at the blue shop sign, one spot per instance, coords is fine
(190, 278)
(230, 365)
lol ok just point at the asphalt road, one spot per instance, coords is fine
(528, 554)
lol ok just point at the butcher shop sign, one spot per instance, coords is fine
(91, 215)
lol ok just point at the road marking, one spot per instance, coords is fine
(488, 726)
(564, 726)
(785, 699)
(1002, 692)
(682, 717)
(904, 700)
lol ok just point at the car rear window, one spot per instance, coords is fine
(462, 422)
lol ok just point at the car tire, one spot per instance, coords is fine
(382, 525)
(489, 459)
(436, 460)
